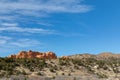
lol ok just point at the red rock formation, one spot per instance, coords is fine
(32, 54)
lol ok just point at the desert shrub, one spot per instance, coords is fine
(16, 79)
(62, 62)
(69, 74)
(23, 72)
(55, 67)
(51, 70)
(88, 67)
(101, 63)
(76, 67)
(74, 78)
(105, 67)
(25, 78)
(9, 72)
(17, 72)
(77, 62)
(100, 75)
(63, 73)
(31, 69)
(116, 70)
(39, 73)
(56, 73)
(2, 74)
(90, 61)
(53, 77)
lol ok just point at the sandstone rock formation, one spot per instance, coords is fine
(33, 54)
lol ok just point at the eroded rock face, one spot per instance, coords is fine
(33, 54)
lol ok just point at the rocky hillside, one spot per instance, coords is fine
(105, 66)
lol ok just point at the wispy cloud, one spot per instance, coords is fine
(13, 27)
(19, 10)
(41, 7)
(10, 46)
(13, 13)
(2, 42)
(25, 43)
(4, 39)
(45, 24)
(4, 17)
(9, 24)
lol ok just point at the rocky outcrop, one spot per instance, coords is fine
(33, 54)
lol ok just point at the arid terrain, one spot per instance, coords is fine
(33, 65)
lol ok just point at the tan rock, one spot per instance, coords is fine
(65, 57)
(12, 56)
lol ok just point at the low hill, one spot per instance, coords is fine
(104, 66)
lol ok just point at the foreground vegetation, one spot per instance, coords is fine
(10, 66)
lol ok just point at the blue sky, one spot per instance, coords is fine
(65, 27)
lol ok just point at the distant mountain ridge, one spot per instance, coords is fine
(101, 55)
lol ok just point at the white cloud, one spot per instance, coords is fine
(9, 42)
(44, 24)
(7, 18)
(26, 30)
(25, 43)
(9, 24)
(13, 27)
(5, 37)
(41, 7)
(18, 10)
(14, 11)
(2, 42)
